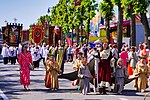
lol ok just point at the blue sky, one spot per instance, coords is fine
(25, 11)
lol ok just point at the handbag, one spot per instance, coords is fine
(30, 66)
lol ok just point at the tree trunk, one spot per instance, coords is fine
(132, 28)
(82, 25)
(119, 28)
(107, 30)
(88, 32)
(144, 21)
(72, 35)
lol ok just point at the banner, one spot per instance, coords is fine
(12, 33)
(25, 35)
(37, 33)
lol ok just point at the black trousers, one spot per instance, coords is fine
(36, 64)
(13, 60)
(5, 60)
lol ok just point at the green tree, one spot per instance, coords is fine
(140, 7)
(106, 9)
(129, 13)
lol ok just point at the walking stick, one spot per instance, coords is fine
(146, 95)
(96, 74)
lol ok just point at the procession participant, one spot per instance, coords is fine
(124, 56)
(77, 62)
(115, 53)
(148, 64)
(85, 50)
(12, 54)
(120, 75)
(5, 54)
(85, 76)
(69, 52)
(104, 69)
(19, 49)
(61, 56)
(76, 65)
(44, 53)
(132, 60)
(52, 70)
(24, 59)
(141, 71)
(36, 57)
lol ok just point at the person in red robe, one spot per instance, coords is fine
(104, 69)
(24, 59)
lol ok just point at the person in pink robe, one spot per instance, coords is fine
(24, 59)
(124, 56)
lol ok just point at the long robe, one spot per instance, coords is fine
(61, 57)
(24, 59)
(52, 75)
(142, 72)
(104, 69)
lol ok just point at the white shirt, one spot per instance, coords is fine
(35, 56)
(5, 52)
(44, 52)
(115, 53)
(19, 49)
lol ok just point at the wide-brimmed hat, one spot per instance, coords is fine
(142, 57)
(50, 55)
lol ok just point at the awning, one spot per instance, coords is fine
(113, 25)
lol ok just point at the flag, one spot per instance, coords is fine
(68, 41)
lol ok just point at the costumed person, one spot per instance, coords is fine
(84, 76)
(141, 71)
(114, 51)
(104, 69)
(5, 54)
(120, 75)
(52, 70)
(36, 57)
(76, 65)
(148, 64)
(44, 53)
(132, 61)
(124, 56)
(24, 59)
(61, 56)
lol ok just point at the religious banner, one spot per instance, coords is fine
(13, 31)
(25, 35)
(37, 33)
(5, 34)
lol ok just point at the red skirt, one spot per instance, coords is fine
(104, 71)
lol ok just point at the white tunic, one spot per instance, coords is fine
(44, 52)
(5, 52)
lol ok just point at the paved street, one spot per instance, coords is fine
(10, 86)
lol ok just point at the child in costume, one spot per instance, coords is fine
(120, 75)
(84, 75)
